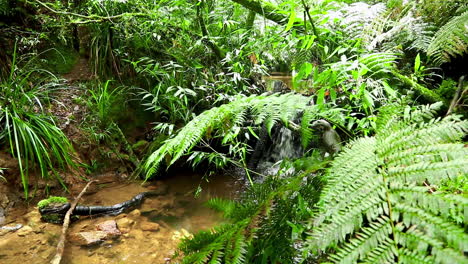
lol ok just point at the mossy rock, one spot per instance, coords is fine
(52, 200)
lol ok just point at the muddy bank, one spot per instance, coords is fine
(149, 234)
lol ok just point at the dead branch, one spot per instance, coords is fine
(66, 222)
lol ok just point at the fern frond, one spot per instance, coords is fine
(375, 207)
(450, 40)
(227, 207)
(225, 122)
(225, 244)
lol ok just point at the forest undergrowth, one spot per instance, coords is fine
(183, 84)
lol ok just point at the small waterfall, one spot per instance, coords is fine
(284, 144)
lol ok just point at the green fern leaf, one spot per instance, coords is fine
(375, 207)
(450, 40)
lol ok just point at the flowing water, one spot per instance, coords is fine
(284, 145)
(178, 213)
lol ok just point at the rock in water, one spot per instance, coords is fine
(125, 224)
(89, 238)
(149, 226)
(105, 230)
(110, 227)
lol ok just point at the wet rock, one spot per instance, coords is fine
(149, 226)
(89, 238)
(26, 230)
(135, 213)
(110, 227)
(125, 224)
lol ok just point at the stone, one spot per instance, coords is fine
(149, 226)
(89, 238)
(135, 213)
(26, 230)
(125, 224)
(110, 227)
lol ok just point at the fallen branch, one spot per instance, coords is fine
(61, 244)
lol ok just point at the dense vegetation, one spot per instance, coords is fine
(390, 76)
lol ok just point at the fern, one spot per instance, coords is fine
(225, 244)
(375, 206)
(260, 224)
(450, 40)
(224, 122)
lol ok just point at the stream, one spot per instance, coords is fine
(150, 234)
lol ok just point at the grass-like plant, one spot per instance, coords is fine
(31, 134)
(378, 205)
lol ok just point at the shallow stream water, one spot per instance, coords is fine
(178, 213)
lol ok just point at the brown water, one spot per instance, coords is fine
(178, 213)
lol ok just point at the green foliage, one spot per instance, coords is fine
(264, 224)
(227, 121)
(5, 8)
(447, 89)
(30, 133)
(52, 200)
(376, 207)
(450, 40)
(106, 102)
(58, 60)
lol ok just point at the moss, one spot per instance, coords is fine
(52, 200)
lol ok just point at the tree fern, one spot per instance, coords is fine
(450, 40)
(375, 206)
(224, 122)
